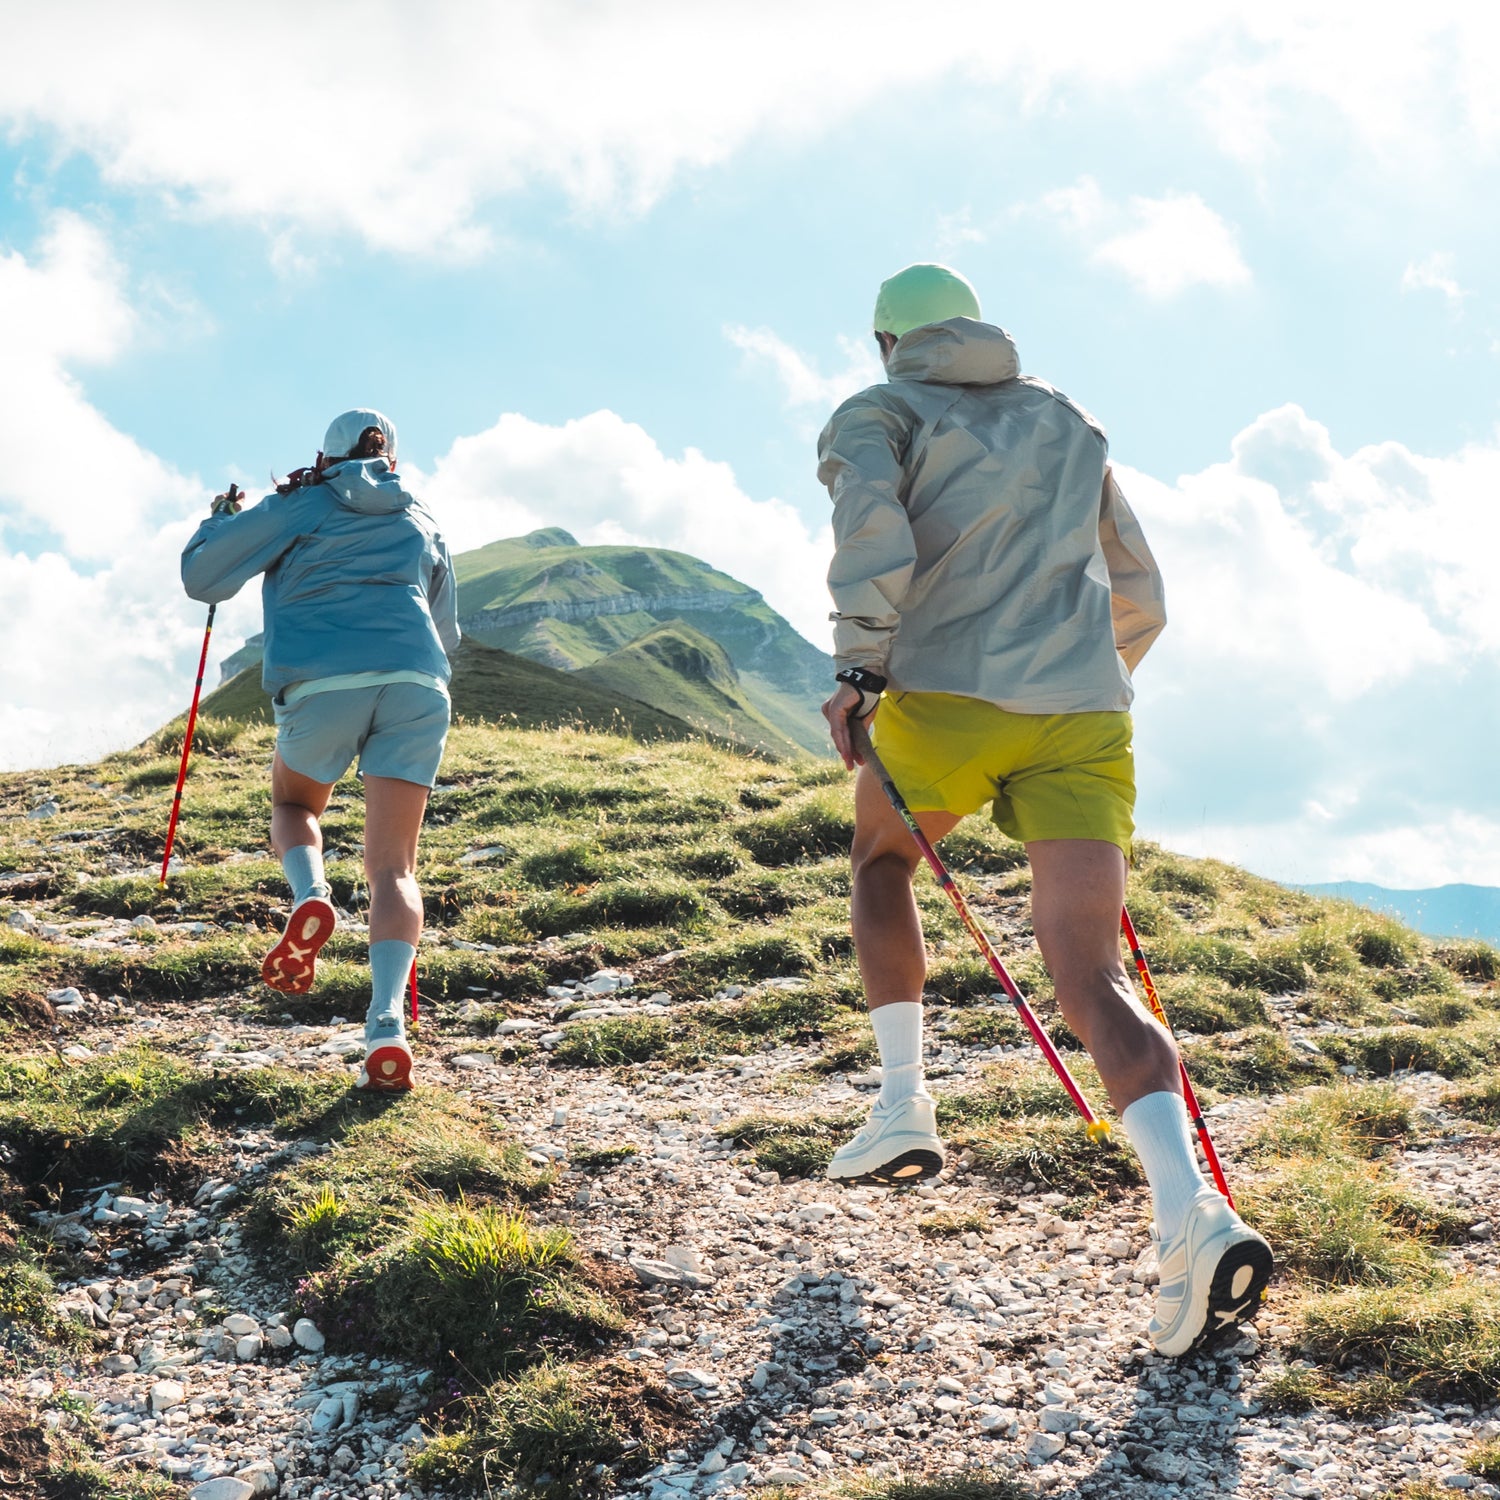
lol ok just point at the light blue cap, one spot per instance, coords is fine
(344, 433)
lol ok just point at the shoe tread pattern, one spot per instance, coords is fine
(1226, 1311)
(898, 1171)
(291, 966)
(387, 1070)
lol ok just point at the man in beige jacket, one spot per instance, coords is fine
(992, 595)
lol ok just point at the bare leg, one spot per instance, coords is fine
(887, 926)
(1077, 891)
(393, 823)
(297, 802)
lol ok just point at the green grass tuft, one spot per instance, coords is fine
(1257, 1061)
(474, 1289)
(792, 1145)
(566, 1431)
(601, 1158)
(1441, 1343)
(1340, 1222)
(139, 1115)
(1483, 1459)
(1469, 958)
(389, 1157)
(815, 826)
(609, 1043)
(967, 1486)
(1300, 1389)
(1364, 1120)
(1479, 1100)
(948, 1223)
(1454, 1051)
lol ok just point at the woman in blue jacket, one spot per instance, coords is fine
(361, 617)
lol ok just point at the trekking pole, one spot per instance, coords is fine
(414, 994)
(1097, 1128)
(1189, 1098)
(187, 739)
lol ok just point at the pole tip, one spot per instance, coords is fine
(1098, 1130)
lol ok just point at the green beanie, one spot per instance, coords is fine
(923, 294)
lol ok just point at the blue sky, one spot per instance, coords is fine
(610, 266)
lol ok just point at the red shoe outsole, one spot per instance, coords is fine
(292, 964)
(387, 1070)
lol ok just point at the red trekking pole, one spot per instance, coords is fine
(1189, 1098)
(1097, 1129)
(192, 720)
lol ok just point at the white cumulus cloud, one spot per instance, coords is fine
(1434, 273)
(1163, 245)
(402, 126)
(803, 386)
(90, 659)
(1322, 703)
(605, 480)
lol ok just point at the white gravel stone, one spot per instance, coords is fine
(225, 1487)
(1044, 1446)
(261, 1477)
(165, 1394)
(306, 1334)
(328, 1414)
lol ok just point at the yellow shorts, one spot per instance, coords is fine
(1049, 776)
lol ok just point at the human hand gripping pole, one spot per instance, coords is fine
(1098, 1129)
(229, 501)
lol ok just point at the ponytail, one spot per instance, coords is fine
(371, 445)
(299, 479)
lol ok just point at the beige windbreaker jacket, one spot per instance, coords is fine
(982, 546)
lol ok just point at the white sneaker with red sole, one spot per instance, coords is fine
(293, 963)
(387, 1068)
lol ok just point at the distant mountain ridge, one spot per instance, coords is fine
(499, 618)
(643, 625)
(1438, 911)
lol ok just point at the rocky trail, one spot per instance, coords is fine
(811, 1333)
(222, 1275)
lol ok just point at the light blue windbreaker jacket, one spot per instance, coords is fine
(358, 577)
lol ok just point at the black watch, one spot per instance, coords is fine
(869, 686)
(858, 677)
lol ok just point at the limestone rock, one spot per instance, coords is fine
(305, 1332)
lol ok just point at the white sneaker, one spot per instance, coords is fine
(388, 1059)
(899, 1144)
(1213, 1275)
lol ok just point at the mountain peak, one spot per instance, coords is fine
(548, 536)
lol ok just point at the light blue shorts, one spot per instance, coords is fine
(396, 729)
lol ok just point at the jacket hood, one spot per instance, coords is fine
(369, 485)
(344, 432)
(960, 351)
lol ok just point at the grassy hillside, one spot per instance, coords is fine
(1345, 1054)
(496, 687)
(552, 565)
(783, 677)
(681, 670)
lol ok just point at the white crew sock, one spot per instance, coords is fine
(898, 1035)
(1157, 1125)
